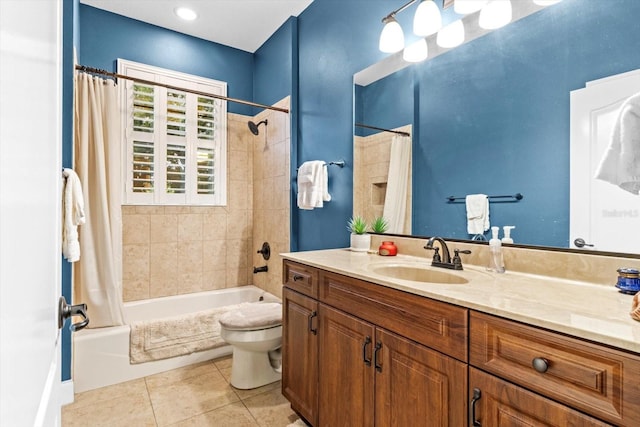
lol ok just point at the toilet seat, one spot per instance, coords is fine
(253, 316)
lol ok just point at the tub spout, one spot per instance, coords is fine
(262, 269)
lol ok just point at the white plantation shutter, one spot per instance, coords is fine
(176, 140)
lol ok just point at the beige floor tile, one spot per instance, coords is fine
(187, 397)
(233, 415)
(271, 409)
(224, 366)
(129, 409)
(180, 374)
(93, 397)
(246, 394)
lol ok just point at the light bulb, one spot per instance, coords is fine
(452, 35)
(427, 19)
(185, 13)
(392, 37)
(546, 2)
(465, 7)
(496, 14)
(416, 52)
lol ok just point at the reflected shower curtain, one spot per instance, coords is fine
(98, 274)
(396, 198)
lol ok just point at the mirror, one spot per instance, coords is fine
(492, 116)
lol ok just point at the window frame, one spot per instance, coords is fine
(161, 139)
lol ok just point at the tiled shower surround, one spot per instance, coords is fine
(172, 250)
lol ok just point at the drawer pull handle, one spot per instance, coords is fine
(472, 408)
(297, 277)
(367, 341)
(311, 328)
(375, 357)
(541, 365)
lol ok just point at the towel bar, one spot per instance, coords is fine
(516, 198)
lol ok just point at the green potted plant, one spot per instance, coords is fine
(360, 240)
(379, 225)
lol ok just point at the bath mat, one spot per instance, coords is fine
(176, 336)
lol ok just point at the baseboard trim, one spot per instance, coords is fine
(66, 392)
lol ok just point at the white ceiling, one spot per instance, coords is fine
(243, 24)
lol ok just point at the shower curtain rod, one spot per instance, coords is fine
(361, 125)
(102, 72)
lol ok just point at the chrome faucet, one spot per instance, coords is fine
(445, 261)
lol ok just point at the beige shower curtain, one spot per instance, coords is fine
(397, 196)
(98, 274)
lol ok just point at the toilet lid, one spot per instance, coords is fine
(253, 316)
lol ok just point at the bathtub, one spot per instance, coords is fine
(101, 356)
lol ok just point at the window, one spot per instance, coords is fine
(175, 141)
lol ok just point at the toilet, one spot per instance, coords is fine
(254, 330)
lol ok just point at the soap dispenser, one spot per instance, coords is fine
(507, 233)
(496, 261)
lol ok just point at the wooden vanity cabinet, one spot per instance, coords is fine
(367, 374)
(591, 378)
(499, 403)
(300, 353)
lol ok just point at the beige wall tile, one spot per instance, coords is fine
(190, 282)
(214, 255)
(164, 228)
(214, 226)
(236, 252)
(150, 210)
(214, 279)
(163, 264)
(135, 290)
(189, 227)
(135, 229)
(135, 262)
(177, 209)
(190, 257)
(237, 225)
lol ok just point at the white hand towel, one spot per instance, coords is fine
(72, 215)
(313, 185)
(477, 213)
(621, 162)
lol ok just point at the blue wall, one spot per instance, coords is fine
(336, 39)
(107, 37)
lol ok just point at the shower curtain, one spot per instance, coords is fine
(98, 274)
(395, 201)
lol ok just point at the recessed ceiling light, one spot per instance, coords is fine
(185, 13)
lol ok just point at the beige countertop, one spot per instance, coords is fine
(593, 312)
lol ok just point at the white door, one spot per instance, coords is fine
(602, 214)
(30, 193)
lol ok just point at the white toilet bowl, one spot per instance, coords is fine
(254, 330)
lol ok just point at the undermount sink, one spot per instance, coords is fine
(418, 274)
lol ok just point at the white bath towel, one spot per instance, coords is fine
(313, 185)
(72, 214)
(621, 162)
(477, 213)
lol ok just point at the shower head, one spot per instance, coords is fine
(254, 127)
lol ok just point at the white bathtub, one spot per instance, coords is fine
(101, 356)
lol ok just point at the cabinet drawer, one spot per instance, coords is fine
(435, 324)
(300, 278)
(594, 379)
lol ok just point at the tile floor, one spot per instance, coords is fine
(197, 395)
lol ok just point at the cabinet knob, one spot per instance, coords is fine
(297, 277)
(541, 365)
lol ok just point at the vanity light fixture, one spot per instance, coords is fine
(416, 52)
(465, 7)
(546, 2)
(427, 19)
(496, 14)
(452, 35)
(392, 37)
(185, 13)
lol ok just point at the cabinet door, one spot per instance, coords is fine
(300, 354)
(346, 370)
(503, 404)
(417, 386)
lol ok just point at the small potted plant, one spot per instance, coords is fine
(360, 240)
(379, 225)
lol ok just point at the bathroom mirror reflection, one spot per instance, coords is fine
(492, 116)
